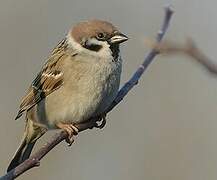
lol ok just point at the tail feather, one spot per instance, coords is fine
(21, 154)
(32, 133)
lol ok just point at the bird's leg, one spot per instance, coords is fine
(70, 129)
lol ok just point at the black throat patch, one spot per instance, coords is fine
(115, 51)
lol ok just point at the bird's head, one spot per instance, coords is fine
(96, 37)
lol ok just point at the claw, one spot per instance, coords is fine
(71, 131)
(76, 131)
(102, 120)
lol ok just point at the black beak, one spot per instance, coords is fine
(118, 38)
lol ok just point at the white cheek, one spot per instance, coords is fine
(104, 52)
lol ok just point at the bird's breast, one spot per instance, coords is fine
(87, 92)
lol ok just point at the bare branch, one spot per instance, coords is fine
(34, 160)
(148, 59)
(190, 49)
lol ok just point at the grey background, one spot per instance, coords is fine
(165, 129)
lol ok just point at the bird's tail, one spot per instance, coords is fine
(31, 135)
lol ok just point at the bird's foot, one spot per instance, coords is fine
(70, 129)
(102, 120)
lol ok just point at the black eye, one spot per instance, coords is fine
(100, 36)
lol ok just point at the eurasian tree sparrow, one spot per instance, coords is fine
(79, 80)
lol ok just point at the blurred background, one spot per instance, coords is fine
(165, 129)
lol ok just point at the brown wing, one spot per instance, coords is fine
(48, 80)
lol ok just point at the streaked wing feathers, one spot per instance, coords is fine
(48, 83)
(48, 80)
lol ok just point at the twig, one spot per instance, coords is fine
(34, 160)
(190, 49)
(147, 61)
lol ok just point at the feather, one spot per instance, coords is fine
(49, 79)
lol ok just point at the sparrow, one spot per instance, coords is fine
(79, 80)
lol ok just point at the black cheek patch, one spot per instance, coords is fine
(93, 47)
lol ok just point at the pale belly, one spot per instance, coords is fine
(66, 105)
